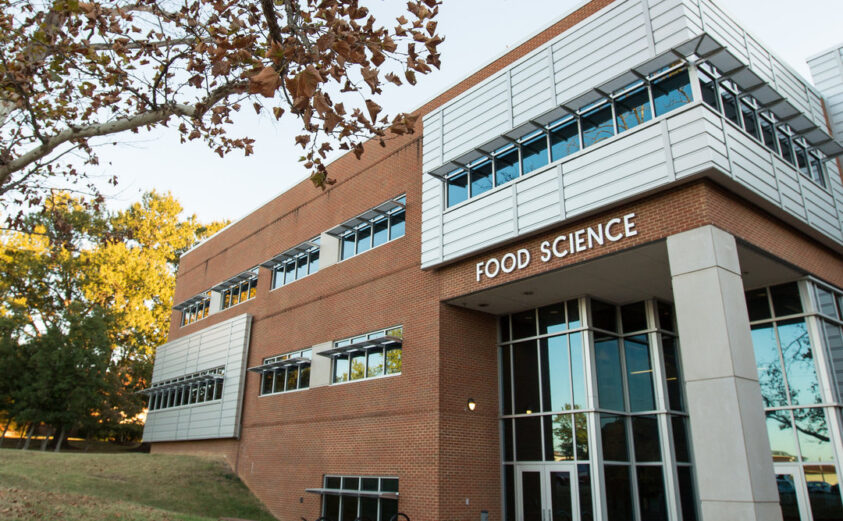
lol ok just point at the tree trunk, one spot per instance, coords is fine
(29, 436)
(5, 430)
(46, 439)
(20, 437)
(60, 439)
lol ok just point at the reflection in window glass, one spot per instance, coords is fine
(784, 146)
(680, 439)
(396, 225)
(380, 232)
(686, 494)
(770, 375)
(610, 394)
(812, 433)
(364, 239)
(781, 435)
(586, 509)
(645, 435)
(730, 106)
(528, 439)
(506, 166)
(613, 434)
(564, 140)
(559, 437)
(457, 188)
(374, 363)
(633, 109)
(708, 89)
(651, 495)
(556, 374)
(786, 299)
(597, 125)
(357, 367)
(348, 246)
(552, 319)
(799, 362)
(618, 493)
(672, 91)
(639, 373)
(758, 305)
(340, 369)
(534, 153)
(750, 120)
(824, 492)
(526, 372)
(481, 178)
(577, 370)
(671, 373)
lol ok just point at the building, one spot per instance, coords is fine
(605, 282)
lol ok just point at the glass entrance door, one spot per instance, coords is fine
(792, 496)
(547, 493)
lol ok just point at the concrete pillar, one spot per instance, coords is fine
(329, 250)
(732, 458)
(320, 366)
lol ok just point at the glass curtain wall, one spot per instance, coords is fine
(796, 335)
(596, 388)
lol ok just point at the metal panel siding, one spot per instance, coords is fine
(827, 71)
(751, 164)
(791, 195)
(719, 25)
(223, 344)
(820, 207)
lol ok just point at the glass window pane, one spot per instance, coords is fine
(603, 316)
(457, 188)
(618, 493)
(332, 482)
(304, 377)
(349, 483)
(556, 374)
(785, 148)
(369, 508)
(639, 373)
(278, 381)
(758, 305)
(633, 109)
(770, 375)
(801, 160)
(750, 120)
(266, 383)
(824, 492)
(301, 267)
(396, 225)
(389, 507)
(786, 299)
(369, 484)
(608, 361)
(564, 140)
(672, 92)
(799, 362)
(393, 360)
(573, 314)
(364, 239)
(577, 370)
(680, 439)
(559, 437)
(817, 171)
(503, 325)
(597, 125)
(528, 439)
(730, 106)
(349, 508)
(687, 494)
(506, 166)
(509, 487)
(525, 369)
(507, 439)
(341, 368)
(534, 153)
(481, 178)
(651, 495)
(313, 262)
(560, 505)
(506, 376)
(531, 495)
(634, 317)
(374, 365)
(357, 366)
(781, 436)
(524, 325)
(708, 88)
(332, 506)
(768, 135)
(645, 435)
(586, 508)
(825, 301)
(581, 435)
(613, 434)
(348, 246)
(552, 319)
(389, 485)
(292, 378)
(671, 373)
(812, 433)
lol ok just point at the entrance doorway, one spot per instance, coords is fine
(792, 493)
(808, 492)
(547, 492)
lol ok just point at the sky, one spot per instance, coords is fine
(476, 32)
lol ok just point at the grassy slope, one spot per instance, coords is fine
(134, 487)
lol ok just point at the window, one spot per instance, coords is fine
(296, 263)
(367, 356)
(284, 373)
(370, 232)
(346, 498)
(745, 112)
(200, 387)
(635, 104)
(241, 290)
(197, 309)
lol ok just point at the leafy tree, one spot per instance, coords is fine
(81, 288)
(73, 70)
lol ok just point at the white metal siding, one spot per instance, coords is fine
(827, 71)
(224, 344)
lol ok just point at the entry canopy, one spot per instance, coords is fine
(380, 210)
(278, 364)
(355, 493)
(697, 49)
(178, 382)
(358, 346)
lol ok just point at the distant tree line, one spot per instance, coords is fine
(85, 297)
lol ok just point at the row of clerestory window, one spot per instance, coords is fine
(631, 106)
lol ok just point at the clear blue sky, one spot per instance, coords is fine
(476, 31)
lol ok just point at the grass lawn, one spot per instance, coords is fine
(129, 487)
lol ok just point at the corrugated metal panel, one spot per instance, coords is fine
(820, 207)
(751, 165)
(791, 195)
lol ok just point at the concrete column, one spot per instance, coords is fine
(732, 457)
(320, 366)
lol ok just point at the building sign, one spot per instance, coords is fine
(563, 245)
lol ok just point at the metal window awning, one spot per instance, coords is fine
(272, 366)
(189, 302)
(699, 48)
(246, 275)
(359, 346)
(180, 382)
(353, 493)
(378, 211)
(290, 254)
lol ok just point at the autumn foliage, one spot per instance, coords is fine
(74, 71)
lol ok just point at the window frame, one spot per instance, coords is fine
(390, 216)
(384, 349)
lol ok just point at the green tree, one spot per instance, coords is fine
(83, 287)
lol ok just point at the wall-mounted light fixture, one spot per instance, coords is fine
(471, 404)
